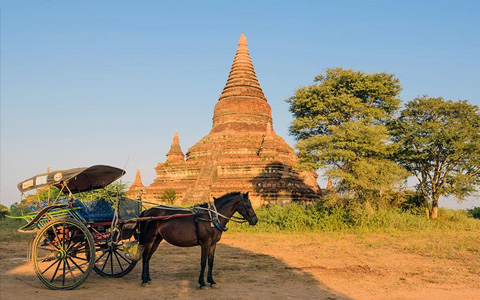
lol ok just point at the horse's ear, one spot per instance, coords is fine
(246, 194)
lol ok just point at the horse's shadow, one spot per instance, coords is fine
(240, 274)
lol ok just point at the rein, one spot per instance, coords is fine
(208, 209)
(214, 210)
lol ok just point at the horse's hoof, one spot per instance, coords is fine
(203, 287)
(213, 285)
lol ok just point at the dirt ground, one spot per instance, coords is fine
(276, 266)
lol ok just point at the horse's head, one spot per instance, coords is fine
(245, 208)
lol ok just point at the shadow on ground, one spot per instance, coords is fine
(240, 274)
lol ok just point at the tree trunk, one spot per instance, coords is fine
(427, 207)
(434, 208)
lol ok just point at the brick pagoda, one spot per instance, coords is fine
(242, 152)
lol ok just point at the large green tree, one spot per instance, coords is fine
(339, 123)
(440, 145)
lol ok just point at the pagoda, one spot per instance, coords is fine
(242, 152)
(137, 189)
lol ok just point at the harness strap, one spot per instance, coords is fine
(215, 222)
(196, 229)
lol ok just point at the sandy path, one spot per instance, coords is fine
(263, 266)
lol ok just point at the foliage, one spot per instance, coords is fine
(475, 212)
(111, 193)
(3, 211)
(352, 218)
(41, 195)
(169, 196)
(342, 96)
(413, 202)
(440, 144)
(340, 126)
(15, 210)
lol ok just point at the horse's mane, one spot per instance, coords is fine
(220, 199)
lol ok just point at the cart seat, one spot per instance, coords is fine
(96, 211)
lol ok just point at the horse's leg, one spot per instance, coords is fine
(147, 239)
(203, 264)
(157, 242)
(211, 256)
(146, 262)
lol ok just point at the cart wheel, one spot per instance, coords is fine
(110, 259)
(63, 254)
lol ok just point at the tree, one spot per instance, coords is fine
(475, 212)
(111, 193)
(169, 196)
(339, 123)
(440, 144)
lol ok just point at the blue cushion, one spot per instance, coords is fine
(97, 210)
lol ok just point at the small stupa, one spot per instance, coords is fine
(137, 189)
(242, 152)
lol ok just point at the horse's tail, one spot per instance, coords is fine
(141, 228)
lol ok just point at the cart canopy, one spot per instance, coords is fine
(77, 180)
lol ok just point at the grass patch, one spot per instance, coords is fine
(8, 230)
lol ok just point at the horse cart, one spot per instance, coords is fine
(74, 237)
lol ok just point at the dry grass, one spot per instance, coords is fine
(414, 264)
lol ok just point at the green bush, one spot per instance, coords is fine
(475, 212)
(3, 211)
(352, 218)
(169, 196)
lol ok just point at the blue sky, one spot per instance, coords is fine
(108, 82)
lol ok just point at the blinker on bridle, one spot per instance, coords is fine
(247, 205)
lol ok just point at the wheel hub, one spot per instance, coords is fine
(61, 254)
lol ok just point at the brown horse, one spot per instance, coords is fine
(205, 229)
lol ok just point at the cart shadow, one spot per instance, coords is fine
(240, 274)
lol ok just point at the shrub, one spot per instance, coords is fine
(169, 196)
(475, 212)
(351, 218)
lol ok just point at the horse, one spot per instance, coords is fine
(204, 229)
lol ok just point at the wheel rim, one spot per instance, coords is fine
(63, 254)
(111, 261)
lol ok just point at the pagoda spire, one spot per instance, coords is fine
(175, 154)
(242, 104)
(138, 180)
(242, 79)
(137, 189)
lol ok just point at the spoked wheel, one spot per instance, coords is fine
(63, 254)
(111, 260)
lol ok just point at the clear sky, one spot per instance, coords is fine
(108, 82)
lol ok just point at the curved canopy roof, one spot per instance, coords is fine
(77, 180)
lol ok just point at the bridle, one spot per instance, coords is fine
(247, 205)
